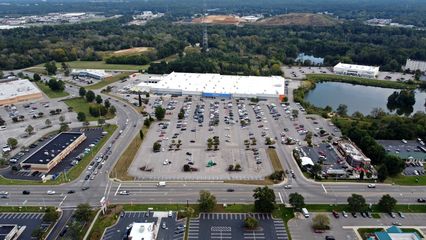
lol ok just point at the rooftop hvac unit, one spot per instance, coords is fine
(41, 160)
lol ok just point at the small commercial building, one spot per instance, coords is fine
(16, 91)
(395, 233)
(353, 155)
(356, 70)
(90, 73)
(215, 85)
(142, 231)
(53, 152)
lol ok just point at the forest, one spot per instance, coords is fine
(232, 50)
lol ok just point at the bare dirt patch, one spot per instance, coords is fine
(302, 19)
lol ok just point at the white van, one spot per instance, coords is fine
(161, 184)
(305, 212)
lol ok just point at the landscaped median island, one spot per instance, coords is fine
(49, 92)
(91, 110)
(109, 80)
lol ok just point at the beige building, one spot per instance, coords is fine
(54, 151)
(21, 90)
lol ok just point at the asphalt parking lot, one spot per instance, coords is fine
(119, 230)
(410, 151)
(231, 226)
(325, 152)
(93, 135)
(300, 228)
(32, 221)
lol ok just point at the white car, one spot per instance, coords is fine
(371, 185)
(124, 192)
(51, 192)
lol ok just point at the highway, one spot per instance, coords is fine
(181, 192)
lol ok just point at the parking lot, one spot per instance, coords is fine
(414, 157)
(93, 135)
(300, 228)
(31, 221)
(168, 227)
(324, 153)
(231, 226)
(299, 72)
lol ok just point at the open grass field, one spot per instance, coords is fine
(120, 169)
(109, 80)
(97, 65)
(407, 180)
(132, 51)
(299, 19)
(359, 81)
(80, 104)
(51, 94)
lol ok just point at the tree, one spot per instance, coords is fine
(12, 142)
(251, 223)
(156, 147)
(321, 222)
(66, 68)
(82, 92)
(387, 203)
(48, 122)
(264, 199)
(36, 77)
(382, 173)
(99, 99)
(342, 110)
(37, 234)
(61, 119)
(29, 130)
(206, 202)
(107, 104)
(81, 116)
(56, 85)
(394, 164)
(296, 200)
(50, 67)
(316, 170)
(90, 96)
(160, 112)
(50, 215)
(181, 114)
(64, 127)
(356, 203)
(83, 212)
(112, 110)
(141, 135)
(101, 121)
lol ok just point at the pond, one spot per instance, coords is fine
(357, 97)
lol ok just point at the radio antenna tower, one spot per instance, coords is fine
(205, 35)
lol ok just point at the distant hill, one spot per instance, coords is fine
(302, 19)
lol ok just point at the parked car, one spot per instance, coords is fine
(26, 192)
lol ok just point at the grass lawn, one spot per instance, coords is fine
(97, 65)
(359, 81)
(80, 104)
(407, 180)
(108, 80)
(51, 94)
(38, 70)
(21, 209)
(364, 231)
(275, 161)
(120, 169)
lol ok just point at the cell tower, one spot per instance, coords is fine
(205, 34)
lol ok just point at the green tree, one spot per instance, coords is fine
(160, 112)
(394, 164)
(90, 96)
(112, 110)
(29, 129)
(50, 215)
(83, 212)
(37, 234)
(206, 202)
(50, 67)
(107, 104)
(382, 173)
(141, 135)
(321, 221)
(48, 122)
(36, 77)
(61, 119)
(296, 200)
(387, 203)
(64, 127)
(82, 92)
(156, 147)
(342, 110)
(251, 223)
(12, 142)
(101, 121)
(147, 122)
(81, 116)
(99, 99)
(264, 199)
(316, 170)
(357, 203)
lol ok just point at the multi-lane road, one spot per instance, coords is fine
(181, 192)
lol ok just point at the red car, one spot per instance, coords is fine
(335, 214)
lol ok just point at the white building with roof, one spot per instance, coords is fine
(142, 231)
(414, 65)
(90, 73)
(215, 85)
(356, 70)
(21, 90)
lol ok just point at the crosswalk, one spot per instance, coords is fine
(9, 216)
(280, 230)
(193, 229)
(233, 216)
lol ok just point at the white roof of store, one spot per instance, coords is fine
(97, 72)
(355, 67)
(220, 84)
(15, 88)
(142, 231)
(415, 65)
(306, 161)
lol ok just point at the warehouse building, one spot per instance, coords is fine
(214, 85)
(21, 90)
(413, 65)
(90, 73)
(356, 70)
(53, 152)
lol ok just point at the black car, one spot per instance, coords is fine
(71, 192)
(354, 215)
(421, 200)
(230, 190)
(85, 188)
(26, 192)
(87, 177)
(64, 231)
(329, 238)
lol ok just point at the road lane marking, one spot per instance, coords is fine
(63, 200)
(281, 198)
(325, 190)
(115, 194)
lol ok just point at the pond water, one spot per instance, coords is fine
(357, 97)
